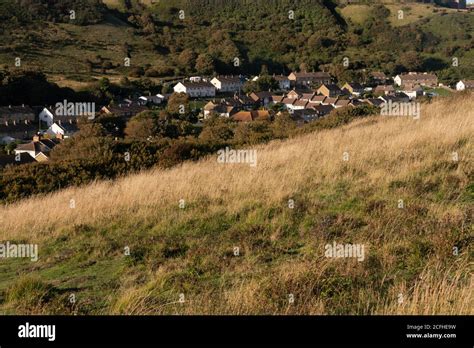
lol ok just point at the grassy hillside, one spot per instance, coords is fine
(412, 12)
(409, 265)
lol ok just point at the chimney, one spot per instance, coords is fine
(36, 137)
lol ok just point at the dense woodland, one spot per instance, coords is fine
(176, 38)
(31, 11)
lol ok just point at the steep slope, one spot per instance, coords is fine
(183, 227)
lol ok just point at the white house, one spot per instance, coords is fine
(413, 79)
(465, 84)
(288, 102)
(65, 130)
(227, 84)
(413, 92)
(299, 105)
(196, 89)
(47, 115)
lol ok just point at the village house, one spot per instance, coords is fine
(299, 104)
(412, 79)
(329, 101)
(353, 88)
(307, 96)
(22, 158)
(227, 84)
(378, 102)
(284, 82)
(48, 115)
(288, 102)
(222, 109)
(196, 89)
(378, 77)
(317, 99)
(305, 79)
(398, 97)
(304, 116)
(358, 102)
(156, 99)
(262, 98)
(10, 132)
(123, 110)
(323, 110)
(276, 99)
(255, 115)
(293, 94)
(413, 92)
(16, 114)
(340, 103)
(244, 102)
(465, 84)
(38, 149)
(384, 90)
(62, 130)
(330, 90)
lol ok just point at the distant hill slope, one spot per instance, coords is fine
(228, 238)
(27, 11)
(208, 37)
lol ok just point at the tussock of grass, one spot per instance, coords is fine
(190, 251)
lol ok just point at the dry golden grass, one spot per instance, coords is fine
(382, 150)
(390, 147)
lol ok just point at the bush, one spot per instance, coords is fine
(28, 292)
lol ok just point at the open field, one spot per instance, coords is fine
(356, 13)
(412, 12)
(182, 227)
